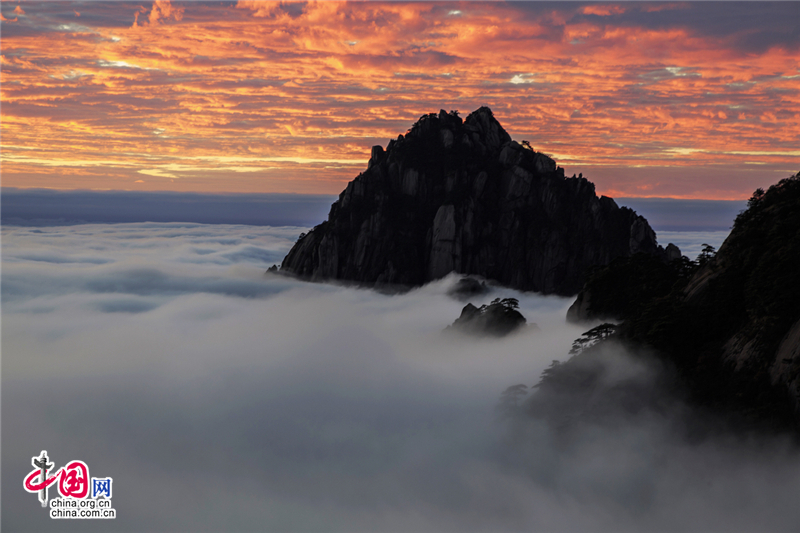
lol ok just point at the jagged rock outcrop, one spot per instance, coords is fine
(464, 197)
(496, 319)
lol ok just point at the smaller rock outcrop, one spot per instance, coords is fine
(497, 319)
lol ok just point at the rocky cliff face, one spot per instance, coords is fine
(746, 302)
(464, 197)
(730, 324)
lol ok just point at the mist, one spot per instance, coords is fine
(223, 399)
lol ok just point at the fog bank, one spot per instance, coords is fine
(221, 399)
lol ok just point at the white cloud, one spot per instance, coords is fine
(220, 398)
(518, 79)
(118, 64)
(691, 242)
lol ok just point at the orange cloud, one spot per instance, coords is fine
(289, 97)
(603, 10)
(161, 11)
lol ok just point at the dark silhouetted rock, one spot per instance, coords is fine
(735, 327)
(497, 319)
(729, 323)
(618, 290)
(462, 196)
(673, 252)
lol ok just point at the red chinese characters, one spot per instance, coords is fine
(73, 480)
(32, 486)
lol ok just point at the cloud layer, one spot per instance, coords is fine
(52, 207)
(223, 400)
(648, 99)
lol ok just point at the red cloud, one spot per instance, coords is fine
(161, 11)
(270, 88)
(603, 10)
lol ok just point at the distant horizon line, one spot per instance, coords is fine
(38, 206)
(305, 194)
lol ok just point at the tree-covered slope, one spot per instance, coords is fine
(729, 325)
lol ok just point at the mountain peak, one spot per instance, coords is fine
(489, 129)
(453, 195)
(480, 131)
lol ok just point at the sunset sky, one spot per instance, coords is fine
(691, 100)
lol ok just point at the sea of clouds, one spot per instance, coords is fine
(223, 399)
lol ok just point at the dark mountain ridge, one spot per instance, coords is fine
(453, 195)
(729, 323)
